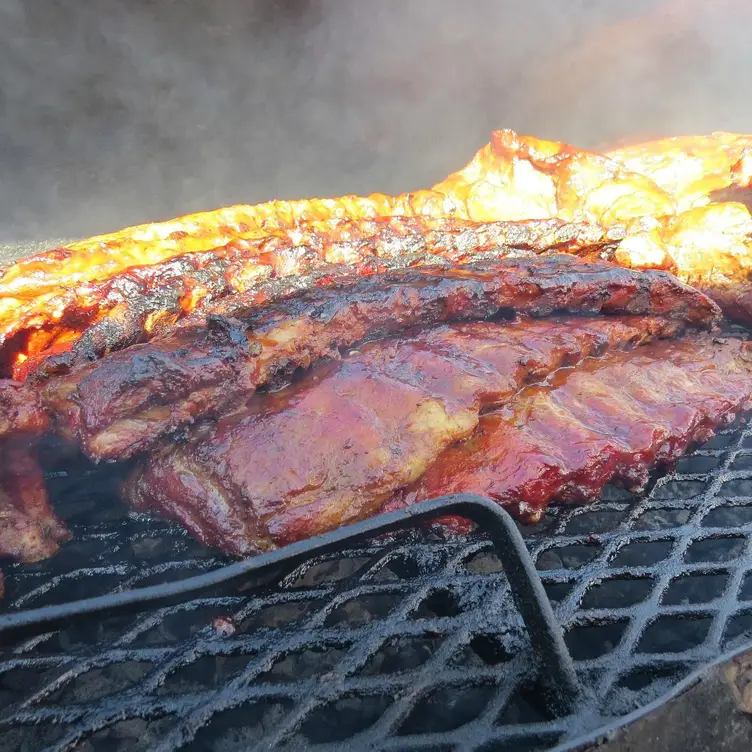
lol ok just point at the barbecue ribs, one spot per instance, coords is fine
(121, 404)
(121, 288)
(168, 329)
(120, 310)
(21, 411)
(613, 419)
(329, 449)
(690, 168)
(29, 530)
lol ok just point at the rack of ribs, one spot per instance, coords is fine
(442, 412)
(643, 206)
(612, 420)
(107, 314)
(29, 529)
(690, 168)
(122, 403)
(212, 363)
(331, 448)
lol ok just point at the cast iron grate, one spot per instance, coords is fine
(407, 642)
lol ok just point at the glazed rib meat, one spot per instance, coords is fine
(122, 403)
(518, 192)
(21, 411)
(47, 299)
(29, 529)
(329, 449)
(612, 420)
(690, 168)
(109, 314)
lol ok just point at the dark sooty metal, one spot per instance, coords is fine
(411, 641)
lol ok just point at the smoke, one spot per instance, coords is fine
(126, 111)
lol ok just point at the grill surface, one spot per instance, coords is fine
(408, 642)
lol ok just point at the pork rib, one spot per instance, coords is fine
(29, 529)
(689, 168)
(121, 287)
(329, 449)
(513, 178)
(611, 420)
(21, 411)
(109, 314)
(122, 403)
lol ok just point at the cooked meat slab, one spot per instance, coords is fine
(122, 403)
(21, 411)
(518, 192)
(49, 299)
(690, 168)
(29, 529)
(329, 449)
(613, 419)
(131, 306)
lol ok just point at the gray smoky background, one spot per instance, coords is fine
(116, 112)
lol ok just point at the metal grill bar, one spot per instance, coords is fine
(527, 590)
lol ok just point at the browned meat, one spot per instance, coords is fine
(517, 192)
(122, 403)
(29, 529)
(611, 420)
(735, 300)
(331, 448)
(20, 410)
(142, 300)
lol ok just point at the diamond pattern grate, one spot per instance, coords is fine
(408, 642)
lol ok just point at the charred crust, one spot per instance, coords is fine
(227, 330)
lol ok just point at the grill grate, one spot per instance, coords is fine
(407, 642)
